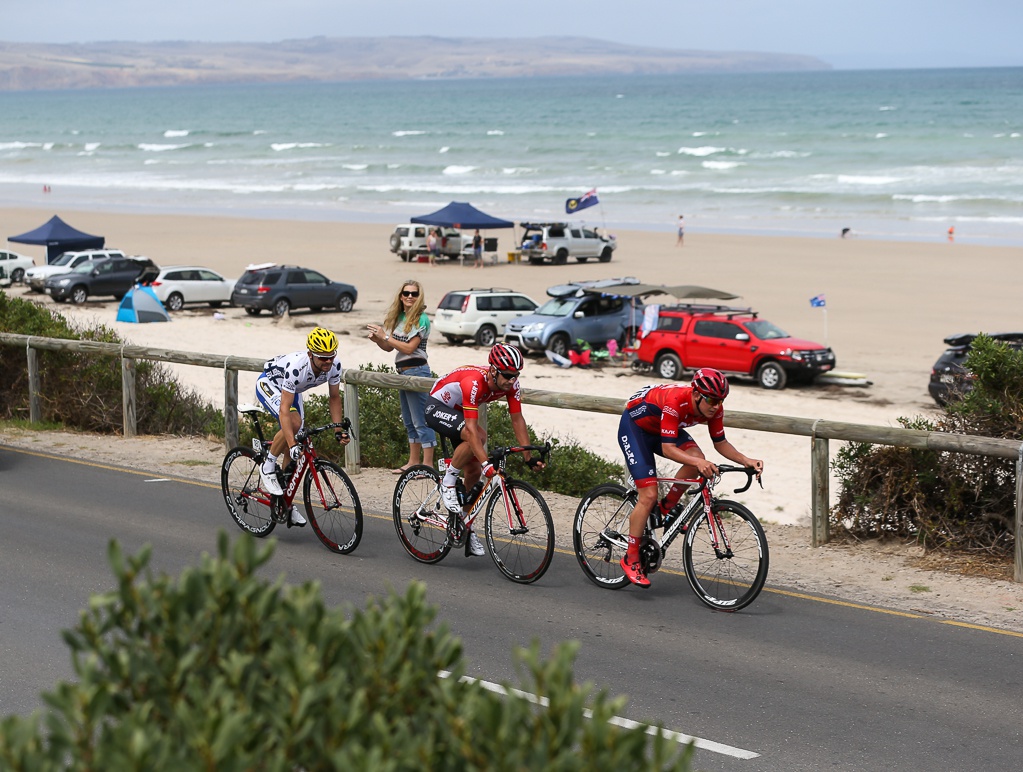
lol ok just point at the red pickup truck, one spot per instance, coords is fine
(732, 340)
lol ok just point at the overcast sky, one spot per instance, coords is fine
(864, 33)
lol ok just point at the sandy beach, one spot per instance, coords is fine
(889, 304)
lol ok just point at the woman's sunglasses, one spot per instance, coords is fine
(407, 294)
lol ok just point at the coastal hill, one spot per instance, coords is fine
(38, 66)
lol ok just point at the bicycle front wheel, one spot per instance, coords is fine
(332, 506)
(726, 557)
(520, 531)
(246, 500)
(600, 534)
(420, 517)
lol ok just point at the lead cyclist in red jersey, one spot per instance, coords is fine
(453, 410)
(654, 423)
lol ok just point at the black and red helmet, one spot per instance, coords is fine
(506, 358)
(710, 383)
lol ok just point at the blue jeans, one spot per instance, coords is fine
(413, 411)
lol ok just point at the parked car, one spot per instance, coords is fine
(102, 276)
(558, 241)
(36, 277)
(178, 285)
(480, 314)
(281, 288)
(732, 340)
(578, 311)
(13, 265)
(408, 241)
(949, 377)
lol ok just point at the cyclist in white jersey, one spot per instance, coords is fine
(279, 389)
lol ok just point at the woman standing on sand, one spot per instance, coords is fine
(405, 330)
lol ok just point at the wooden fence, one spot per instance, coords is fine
(820, 431)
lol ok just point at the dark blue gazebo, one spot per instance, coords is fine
(463, 216)
(59, 237)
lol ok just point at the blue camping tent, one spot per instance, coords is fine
(142, 305)
(463, 216)
(59, 237)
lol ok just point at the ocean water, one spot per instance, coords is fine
(889, 154)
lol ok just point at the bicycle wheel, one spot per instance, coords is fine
(420, 517)
(520, 532)
(730, 577)
(246, 500)
(600, 534)
(332, 506)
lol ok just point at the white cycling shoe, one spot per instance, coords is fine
(449, 496)
(296, 517)
(269, 478)
(475, 545)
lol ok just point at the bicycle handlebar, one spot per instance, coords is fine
(749, 471)
(499, 453)
(304, 434)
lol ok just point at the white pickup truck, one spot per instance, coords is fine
(558, 241)
(408, 241)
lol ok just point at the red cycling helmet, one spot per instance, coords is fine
(506, 358)
(710, 383)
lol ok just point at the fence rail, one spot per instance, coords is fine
(819, 430)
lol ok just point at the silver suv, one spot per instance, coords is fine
(480, 314)
(36, 277)
(558, 241)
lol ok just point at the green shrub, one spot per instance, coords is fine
(221, 669)
(942, 499)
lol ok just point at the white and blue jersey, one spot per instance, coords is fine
(294, 374)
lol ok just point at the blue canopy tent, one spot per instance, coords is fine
(463, 216)
(59, 237)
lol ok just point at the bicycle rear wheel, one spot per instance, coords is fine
(420, 517)
(600, 534)
(520, 532)
(246, 500)
(332, 506)
(730, 577)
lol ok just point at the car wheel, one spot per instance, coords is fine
(536, 261)
(558, 344)
(17, 275)
(405, 256)
(281, 307)
(605, 256)
(175, 302)
(252, 311)
(345, 303)
(486, 335)
(315, 308)
(669, 367)
(216, 303)
(771, 376)
(79, 295)
(396, 243)
(581, 259)
(561, 257)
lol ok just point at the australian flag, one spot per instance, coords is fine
(817, 301)
(584, 201)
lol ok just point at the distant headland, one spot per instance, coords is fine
(118, 64)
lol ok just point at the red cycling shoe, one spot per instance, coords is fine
(634, 573)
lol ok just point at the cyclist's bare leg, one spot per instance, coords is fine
(464, 459)
(280, 444)
(647, 497)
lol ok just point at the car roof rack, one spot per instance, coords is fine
(542, 224)
(711, 309)
(486, 289)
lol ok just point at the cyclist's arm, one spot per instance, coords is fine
(284, 418)
(479, 452)
(522, 436)
(336, 406)
(729, 451)
(673, 452)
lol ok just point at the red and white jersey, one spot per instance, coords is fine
(662, 410)
(466, 387)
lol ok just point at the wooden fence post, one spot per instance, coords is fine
(230, 407)
(35, 410)
(352, 454)
(820, 496)
(128, 396)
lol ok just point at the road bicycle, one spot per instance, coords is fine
(724, 548)
(331, 502)
(517, 522)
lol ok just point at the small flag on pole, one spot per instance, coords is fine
(817, 301)
(585, 200)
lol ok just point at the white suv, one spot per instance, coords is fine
(558, 241)
(36, 277)
(408, 241)
(480, 314)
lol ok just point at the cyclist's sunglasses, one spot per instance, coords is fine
(711, 400)
(508, 376)
(407, 294)
(328, 358)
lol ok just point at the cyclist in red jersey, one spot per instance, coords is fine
(453, 411)
(654, 423)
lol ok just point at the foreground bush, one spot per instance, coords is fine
(83, 391)
(222, 670)
(943, 500)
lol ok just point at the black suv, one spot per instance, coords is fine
(102, 276)
(950, 379)
(280, 288)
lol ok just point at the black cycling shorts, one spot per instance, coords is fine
(446, 421)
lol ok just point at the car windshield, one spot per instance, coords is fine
(64, 259)
(85, 267)
(766, 330)
(556, 307)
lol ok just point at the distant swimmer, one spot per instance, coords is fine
(952, 233)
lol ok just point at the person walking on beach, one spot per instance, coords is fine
(654, 423)
(279, 389)
(405, 330)
(477, 248)
(433, 246)
(453, 411)
(681, 231)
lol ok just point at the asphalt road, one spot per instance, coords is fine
(792, 683)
